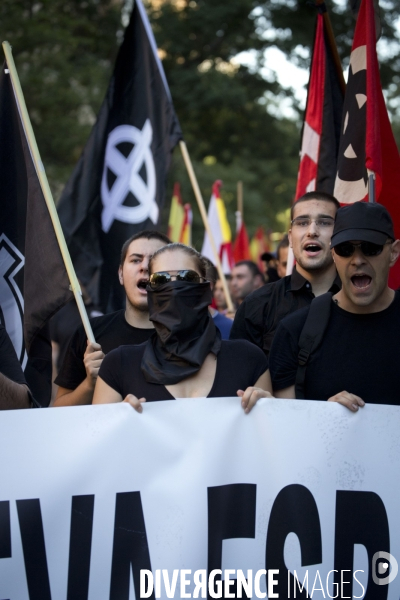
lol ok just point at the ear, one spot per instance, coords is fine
(394, 252)
(120, 276)
(290, 238)
(333, 254)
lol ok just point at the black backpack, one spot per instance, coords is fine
(311, 337)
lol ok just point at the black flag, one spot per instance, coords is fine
(33, 280)
(118, 185)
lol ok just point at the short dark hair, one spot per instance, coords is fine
(323, 196)
(284, 243)
(197, 257)
(147, 234)
(251, 266)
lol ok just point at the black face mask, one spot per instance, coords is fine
(185, 331)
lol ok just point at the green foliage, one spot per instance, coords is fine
(64, 52)
(222, 107)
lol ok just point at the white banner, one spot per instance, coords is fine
(90, 496)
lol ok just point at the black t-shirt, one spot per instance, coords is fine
(9, 363)
(259, 314)
(64, 324)
(239, 365)
(110, 331)
(359, 353)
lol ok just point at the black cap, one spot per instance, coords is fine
(364, 222)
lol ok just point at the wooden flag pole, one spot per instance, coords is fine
(44, 184)
(240, 198)
(203, 212)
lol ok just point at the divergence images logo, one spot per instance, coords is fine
(384, 568)
(127, 174)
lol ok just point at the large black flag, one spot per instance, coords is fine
(33, 280)
(118, 185)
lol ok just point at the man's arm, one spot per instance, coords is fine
(248, 322)
(12, 394)
(83, 394)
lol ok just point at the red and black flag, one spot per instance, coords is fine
(33, 280)
(118, 185)
(323, 115)
(367, 145)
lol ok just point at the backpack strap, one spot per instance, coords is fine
(311, 337)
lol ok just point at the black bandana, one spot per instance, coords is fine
(185, 332)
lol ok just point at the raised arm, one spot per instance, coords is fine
(83, 394)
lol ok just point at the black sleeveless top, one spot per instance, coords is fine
(239, 365)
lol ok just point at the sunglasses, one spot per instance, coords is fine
(346, 249)
(186, 275)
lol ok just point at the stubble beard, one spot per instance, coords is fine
(322, 265)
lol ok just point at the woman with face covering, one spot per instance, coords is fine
(185, 357)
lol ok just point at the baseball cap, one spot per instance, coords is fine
(364, 222)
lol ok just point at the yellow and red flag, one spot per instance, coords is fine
(258, 245)
(220, 230)
(180, 219)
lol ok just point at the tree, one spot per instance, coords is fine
(64, 52)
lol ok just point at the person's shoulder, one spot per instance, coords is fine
(264, 293)
(295, 319)
(107, 319)
(241, 347)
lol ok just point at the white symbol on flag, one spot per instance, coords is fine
(126, 171)
(11, 300)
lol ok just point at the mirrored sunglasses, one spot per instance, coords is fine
(186, 275)
(346, 249)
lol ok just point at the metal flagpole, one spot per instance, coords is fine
(44, 184)
(203, 212)
(371, 186)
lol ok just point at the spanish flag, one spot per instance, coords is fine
(180, 219)
(220, 229)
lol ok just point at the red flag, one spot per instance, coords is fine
(367, 143)
(241, 247)
(321, 129)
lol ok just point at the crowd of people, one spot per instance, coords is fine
(328, 331)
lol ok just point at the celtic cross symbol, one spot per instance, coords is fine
(126, 171)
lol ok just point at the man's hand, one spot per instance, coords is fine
(92, 360)
(136, 403)
(250, 396)
(351, 401)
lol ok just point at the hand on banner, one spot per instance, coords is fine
(136, 403)
(92, 360)
(351, 401)
(250, 396)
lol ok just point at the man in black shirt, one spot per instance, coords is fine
(312, 224)
(78, 373)
(357, 361)
(14, 393)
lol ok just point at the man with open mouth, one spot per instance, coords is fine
(257, 318)
(357, 360)
(78, 373)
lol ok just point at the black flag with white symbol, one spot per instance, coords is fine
(352, 171)
(33, 280)
(118, 185)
